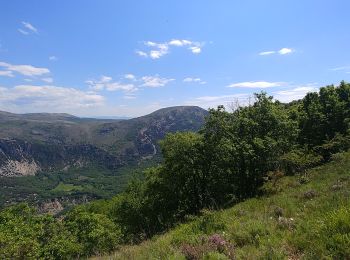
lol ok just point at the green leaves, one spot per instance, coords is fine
(26, 235)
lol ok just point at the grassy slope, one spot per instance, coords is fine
(253, 227)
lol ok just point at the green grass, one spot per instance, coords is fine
(304, 220)
(61, 187)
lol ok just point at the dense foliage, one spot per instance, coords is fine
(303, 220)
(226, 162)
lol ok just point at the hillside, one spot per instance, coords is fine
(56, 155)
(39, 142)
(307, 218)
(265, 181)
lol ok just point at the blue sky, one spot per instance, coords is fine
(129, 58)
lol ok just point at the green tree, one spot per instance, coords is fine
(95, 232)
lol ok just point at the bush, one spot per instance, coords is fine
(26, 235)
(340, 143)
(96, 232)
(298, 161)
(272, 185)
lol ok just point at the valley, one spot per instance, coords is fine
(46, 157)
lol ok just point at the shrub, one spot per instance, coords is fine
(95, 232)
(298, 160)
(214, 245)
(271, 185)
(310, 194)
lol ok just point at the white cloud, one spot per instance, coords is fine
(53, 58)
(23, 32)
(114, 86)
(129, 97)
(294, 93)
(266, 53)
(30, 27)
(286, 95)
(180, 43)
(105, 79)
(155, 81)
(282, 51)
(141, 53)
(130, 76)
(27, 98)
(157, 50)
(195, 49)
(48, 80)
(192, 79)
(343, 68)
(214, 101)
(6, 73)
(256, 84)
(195, 80)
(133, 85)
(27, 70)
(27, 29)
(157, 54)
(106, 82)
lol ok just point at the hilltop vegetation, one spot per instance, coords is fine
(235, 156)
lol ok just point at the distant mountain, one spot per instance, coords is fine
(112, 117)
(32, 143)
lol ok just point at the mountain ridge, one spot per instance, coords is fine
(45, 141)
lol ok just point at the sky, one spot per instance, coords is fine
(96, 58)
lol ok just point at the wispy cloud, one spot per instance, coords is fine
(194, 80)
(256, 84)
(6, 73)
(345, 69)
(157, 50)
(160, 49)
(53, 58)
(129, 83)
(30, 27)
(107, 83)
(214, 101)
(47, 98)
(130, 76)
(27, 70)
(266, 53)
(129, 97)
(288, 94)
(141, 53)
(47, 80)
(285, 51)
(294, 93)
(155, 81)
(23, 31)
(282, 51)
(27, 28)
